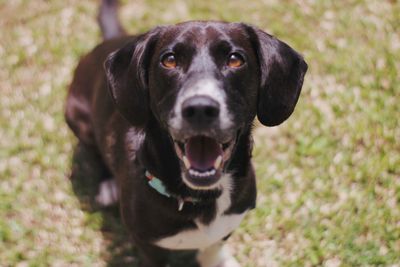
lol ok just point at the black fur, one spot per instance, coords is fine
(282, 75)
(142, 99)
(127, 73)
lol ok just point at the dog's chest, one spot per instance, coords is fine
(206, 235)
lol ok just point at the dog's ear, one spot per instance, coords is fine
(282, 72)
(127, 71)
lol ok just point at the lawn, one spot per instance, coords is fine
(328, 178)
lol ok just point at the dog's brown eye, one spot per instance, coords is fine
(235, 60)
(169, 61)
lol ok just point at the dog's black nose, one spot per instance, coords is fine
(200, 110)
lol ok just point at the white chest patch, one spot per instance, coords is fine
(206, 235)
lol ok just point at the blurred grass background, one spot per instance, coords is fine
(329, 178)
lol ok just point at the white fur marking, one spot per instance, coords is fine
(196, 187)
(207, 235)
(108, 193)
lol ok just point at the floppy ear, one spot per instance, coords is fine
(126, 71)
(282, 72)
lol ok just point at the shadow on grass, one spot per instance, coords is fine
(87, 172)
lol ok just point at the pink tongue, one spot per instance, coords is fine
(202, 152)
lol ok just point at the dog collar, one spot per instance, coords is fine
(159, 186)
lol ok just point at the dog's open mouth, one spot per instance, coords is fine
(203, 159)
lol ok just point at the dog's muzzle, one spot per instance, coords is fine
(202, 148)
(202, 130)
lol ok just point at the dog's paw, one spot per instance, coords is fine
(231, 262)
(108, 193)
(217, 255)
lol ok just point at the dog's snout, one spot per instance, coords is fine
(200, 110)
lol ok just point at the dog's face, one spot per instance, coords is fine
(204, 82)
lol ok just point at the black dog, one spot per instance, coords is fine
(171, 117)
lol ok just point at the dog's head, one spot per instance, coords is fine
(204, 82)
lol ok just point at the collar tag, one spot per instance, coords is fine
(181, 202)
(157, 184)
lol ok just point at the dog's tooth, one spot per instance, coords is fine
(195, 173)
(218, 162)
(178, 150)
(186, 162)
(202, 174)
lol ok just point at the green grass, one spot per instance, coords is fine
(328, 178)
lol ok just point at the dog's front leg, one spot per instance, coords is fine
(152, 256)
(217, 255)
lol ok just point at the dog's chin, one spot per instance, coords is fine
(202, 160)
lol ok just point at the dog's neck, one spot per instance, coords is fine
(158, 156)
